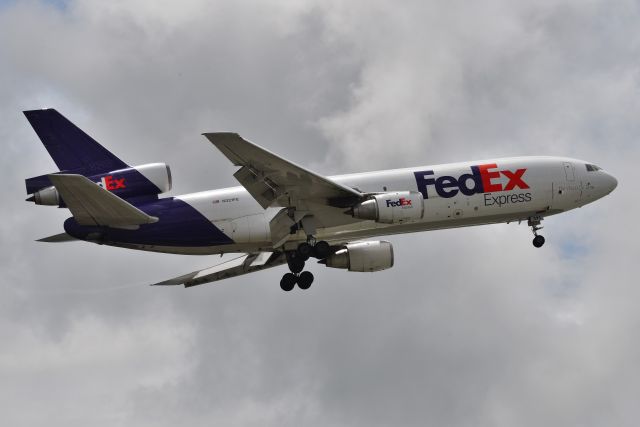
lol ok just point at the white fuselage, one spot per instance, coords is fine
(511, 189)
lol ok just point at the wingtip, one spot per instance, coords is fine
(218, 136)
(57, 238)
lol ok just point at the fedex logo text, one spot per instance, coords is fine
(110, 183)
(400, 202)
(482, 179)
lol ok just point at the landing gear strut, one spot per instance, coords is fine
(534, 223)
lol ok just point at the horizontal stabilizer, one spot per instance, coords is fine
(91, 204)
(37, 183)
(247, 263)
(58, 238)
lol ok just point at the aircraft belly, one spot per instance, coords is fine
(370, 229)
(196, 250)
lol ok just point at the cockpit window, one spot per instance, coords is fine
(592, 168)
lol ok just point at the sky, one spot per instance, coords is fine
(471, 327)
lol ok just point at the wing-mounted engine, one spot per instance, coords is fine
(137, 181)
(362, 256)
(391, 208)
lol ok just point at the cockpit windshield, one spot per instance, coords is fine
(592, 168)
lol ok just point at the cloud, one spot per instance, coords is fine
(471, 326)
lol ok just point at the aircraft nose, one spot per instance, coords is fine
(610, 183)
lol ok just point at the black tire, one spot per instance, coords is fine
(296, 265)
(538, 241)
(288, 282)
(305, 250)
(322, 250)
(305, 280)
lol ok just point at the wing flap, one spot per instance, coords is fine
(90, 204)
(244, 264)
(261, 188)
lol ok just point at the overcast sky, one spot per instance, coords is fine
(472, 327)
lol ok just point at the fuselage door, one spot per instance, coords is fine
(567, 194)
(570, 171)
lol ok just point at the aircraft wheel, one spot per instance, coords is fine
(296, 265)
(305, 280)
(538, 241)
(288, 281)
(322, 249)
(305, 250)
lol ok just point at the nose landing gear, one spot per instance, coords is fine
(534, 223)
(538, 241)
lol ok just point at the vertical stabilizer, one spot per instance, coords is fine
(71, 148)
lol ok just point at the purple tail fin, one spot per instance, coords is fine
(71, 148)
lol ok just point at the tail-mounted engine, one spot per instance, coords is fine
(391, 208)
(137, 181)
(362, 256)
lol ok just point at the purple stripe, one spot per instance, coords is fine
(179, 225)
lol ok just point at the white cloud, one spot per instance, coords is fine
(91, 370)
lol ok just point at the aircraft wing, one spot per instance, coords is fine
(270, 179)
(91, 204)
(58, 238)
(244, 264)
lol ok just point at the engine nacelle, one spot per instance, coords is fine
(363, 256)
(47, 196)
(145, 180)
(137, 181)
(391, 208)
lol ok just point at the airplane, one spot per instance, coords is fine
(284, 213)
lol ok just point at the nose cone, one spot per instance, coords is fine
(610, 183)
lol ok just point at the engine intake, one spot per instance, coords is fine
(362, 256)
(391, 208)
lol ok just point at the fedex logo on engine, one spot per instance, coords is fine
(482, 179)
(401, 202)
(110, 183)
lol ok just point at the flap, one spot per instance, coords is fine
(244, 264)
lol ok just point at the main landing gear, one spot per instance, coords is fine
(534, 223)
(296, 260)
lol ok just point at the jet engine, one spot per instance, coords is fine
(137, 181)
(391, 208)
(362, 256)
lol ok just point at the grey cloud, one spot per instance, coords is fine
(471, 327)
